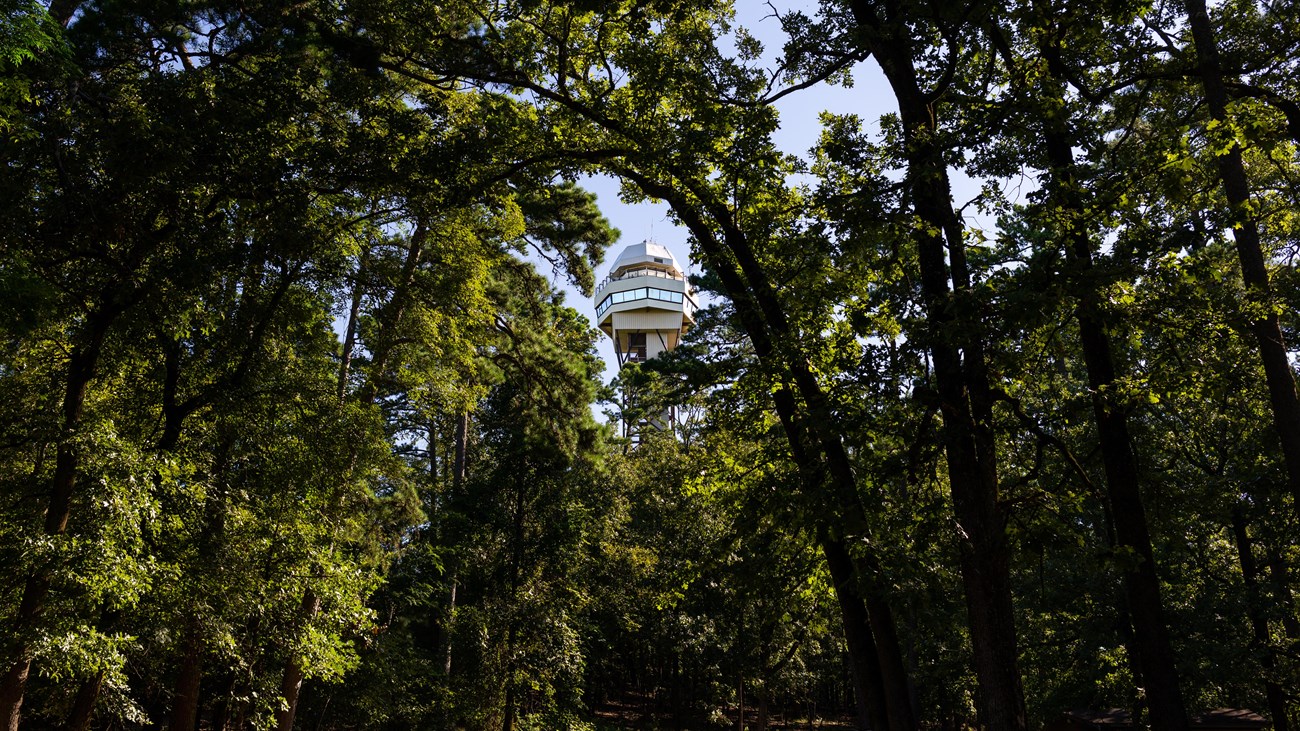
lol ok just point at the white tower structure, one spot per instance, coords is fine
(645, 304)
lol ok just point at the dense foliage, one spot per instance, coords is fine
(294, 433)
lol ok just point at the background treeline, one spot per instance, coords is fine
(293, 432)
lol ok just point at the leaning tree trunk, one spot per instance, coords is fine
(1264, 322)
(868, 687)
(955, 341)
(816, 444)
(860, 576)
(1151, 641)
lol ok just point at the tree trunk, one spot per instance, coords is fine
(459, 472)
(350, 333)
(1266, 327)
(740, 703)
(972, 468)
(764, 320)
(185, 706)
(508, 713)
(955, 341)
(451, 615)
(864, 658)
(221, 714)
(1274, 693)
(392, 315)
(291, 682)
(185, 703)
(290, 686)
(81, 370)
(462, 449)
(1152, 648)
(83, 707)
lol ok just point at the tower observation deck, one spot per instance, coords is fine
(644, 305)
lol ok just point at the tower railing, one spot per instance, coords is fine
(639, 272)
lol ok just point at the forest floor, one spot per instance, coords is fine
(637, 714)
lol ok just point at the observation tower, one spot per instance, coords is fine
(644, 305)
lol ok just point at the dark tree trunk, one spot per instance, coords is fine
(903, 713)
(1152, 645)
(1274, 693)
(826, 473)
(740, 703)
(393, 314)
(868, 686)
(221, 713)
(83, 707)
(955, 340)
(1267, 329)
(508, 722)
(462, 450)
(447, 636)
(350, 333)
(290, 686)
(185, 705)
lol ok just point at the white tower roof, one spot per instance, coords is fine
(646, 252)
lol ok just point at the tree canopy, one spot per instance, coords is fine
(296, 434)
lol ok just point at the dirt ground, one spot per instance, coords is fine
(633, 715)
